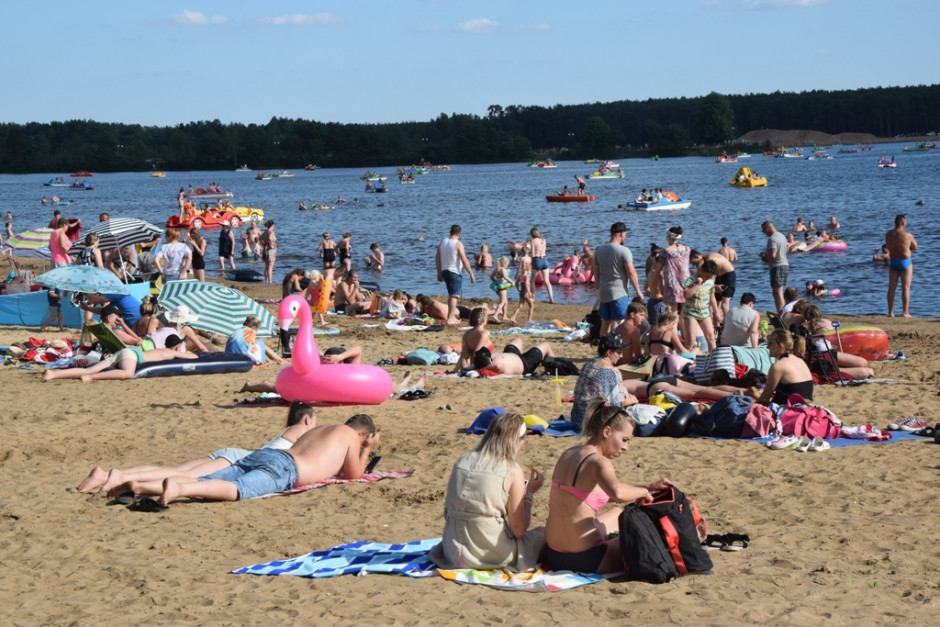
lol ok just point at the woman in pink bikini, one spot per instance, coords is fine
(577, 534)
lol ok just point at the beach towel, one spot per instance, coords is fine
(412, 559)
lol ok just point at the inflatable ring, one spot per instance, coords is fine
(497, 287)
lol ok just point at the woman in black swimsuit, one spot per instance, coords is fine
(345, 251)
(327, 251)
(789, 374)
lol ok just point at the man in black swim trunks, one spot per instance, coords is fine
(512, 360)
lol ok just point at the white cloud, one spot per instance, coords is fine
(301, 19)
(478, 25)
(197, 18)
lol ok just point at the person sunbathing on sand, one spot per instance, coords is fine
(512, 360)
(300, 419)
(121, 365)
(320, 453)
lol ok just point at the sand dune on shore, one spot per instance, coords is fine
(844, 536)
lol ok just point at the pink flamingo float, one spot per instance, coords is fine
(306, 379)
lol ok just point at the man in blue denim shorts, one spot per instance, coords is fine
(320, 453)
(451, 259)
(613, 267)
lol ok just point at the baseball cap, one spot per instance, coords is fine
(608, 342)
(618, 227)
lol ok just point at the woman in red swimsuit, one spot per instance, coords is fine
(577, 534)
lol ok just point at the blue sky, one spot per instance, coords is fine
(169, 62)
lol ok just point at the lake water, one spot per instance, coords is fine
(501, 202)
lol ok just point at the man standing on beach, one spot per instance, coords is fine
(900, 245)
(775, 256)
(613, 267)
(451, 259)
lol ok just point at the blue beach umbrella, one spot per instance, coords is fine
(88, 279)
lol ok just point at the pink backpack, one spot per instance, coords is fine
(800, 418)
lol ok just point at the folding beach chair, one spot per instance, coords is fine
(110, 343)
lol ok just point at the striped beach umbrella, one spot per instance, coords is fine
(32, 243)
(220, 309)
(118, 232)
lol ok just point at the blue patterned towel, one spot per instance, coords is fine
(411, 559)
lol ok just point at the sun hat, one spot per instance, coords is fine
(484, 418)
(181, 315)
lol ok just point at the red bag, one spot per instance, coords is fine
(800, 418)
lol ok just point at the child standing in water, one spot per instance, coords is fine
(501, 284)
(524, 285)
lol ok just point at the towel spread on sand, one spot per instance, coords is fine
(411, 559)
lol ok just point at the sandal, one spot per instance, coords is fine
(928, 432)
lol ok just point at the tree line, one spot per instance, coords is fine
(622, 129)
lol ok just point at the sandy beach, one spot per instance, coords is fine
(845, 536)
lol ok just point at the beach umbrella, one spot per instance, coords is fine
(32, 243)
(220, 309)
(118, 232)
(88, 279)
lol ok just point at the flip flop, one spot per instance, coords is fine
(928, 432)
(124, 498)
(738, 544)
(148, 505)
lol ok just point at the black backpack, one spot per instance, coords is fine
(667, 535)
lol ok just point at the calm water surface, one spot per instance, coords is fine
(498, 203)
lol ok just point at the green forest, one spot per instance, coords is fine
(623, 129)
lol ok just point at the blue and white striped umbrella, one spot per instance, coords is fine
(220, 309)
(118, 232)
(88, 279)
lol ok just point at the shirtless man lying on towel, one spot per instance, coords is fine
(320, 453)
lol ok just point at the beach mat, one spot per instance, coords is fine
(412, 559)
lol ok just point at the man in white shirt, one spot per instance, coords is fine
(451, 259)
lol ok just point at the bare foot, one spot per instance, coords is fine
(906, 315)
(422, 381)
(405, 380)
(171, 491)
(245, 387)
(47, 375)
(95, 478)
(115, 478)
(87, 378)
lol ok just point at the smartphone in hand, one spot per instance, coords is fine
(373, 463)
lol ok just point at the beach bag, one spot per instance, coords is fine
(422, 357)
(721, 358)
(560, 367)
(800, 418)
(674, 519)
(726, 418)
